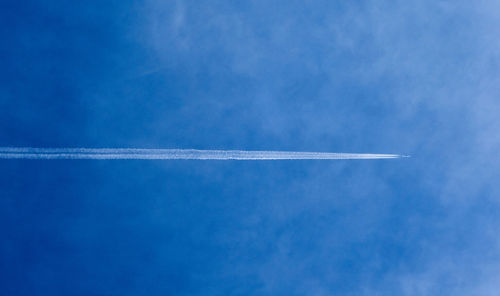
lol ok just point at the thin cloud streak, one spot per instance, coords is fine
(132, 153)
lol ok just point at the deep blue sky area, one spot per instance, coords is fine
(419, 78)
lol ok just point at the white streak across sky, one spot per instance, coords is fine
(131, 153)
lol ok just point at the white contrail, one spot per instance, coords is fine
(130, 153)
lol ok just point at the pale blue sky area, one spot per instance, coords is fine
(331, 76)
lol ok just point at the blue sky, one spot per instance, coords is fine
(360, 76)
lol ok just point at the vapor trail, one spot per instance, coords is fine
(130, 153)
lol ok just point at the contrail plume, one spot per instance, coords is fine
(131, 153)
